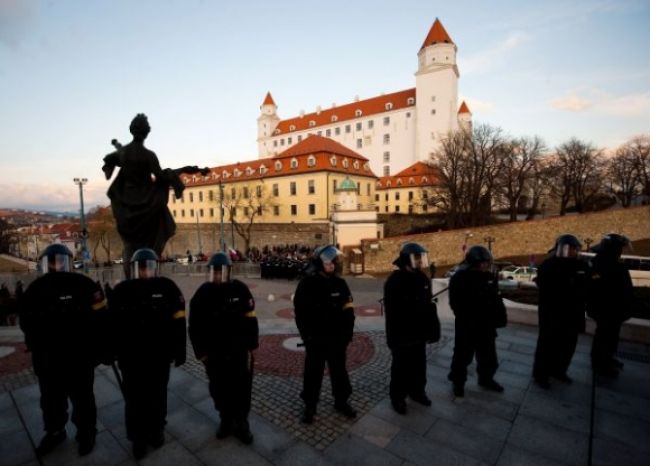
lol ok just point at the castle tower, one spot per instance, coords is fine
(266, 124)
(346, 195)
(465, 118)
(436, 91)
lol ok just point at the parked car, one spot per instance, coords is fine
(78, 265)
(118, 261)
(182, 260)
(518, 273)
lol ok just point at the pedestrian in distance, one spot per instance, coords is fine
(63, 316)
(148, 326)
(611, 302)
(563, 280)
(411, 323)
(479, 310)
(325, 319)
(224, 332)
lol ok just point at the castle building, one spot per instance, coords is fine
(393, 131)
(408, 192)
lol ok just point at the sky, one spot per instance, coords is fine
(74, 73)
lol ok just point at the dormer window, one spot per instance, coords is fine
(388, 184)
(334, 118)
(411, 181)
(292, 127)
(356, 164)
(186, 180)
(399, 182)
(389, 106)
(345, 163)
(333, 161)
(294, 163)
(311, 161)
(277, 131)
(312, 123)
(278, 165)
(410, 101)
(237, 172)
(358, 113)
(249, 171)
(225, 174)
(424, 180)
(263, 169)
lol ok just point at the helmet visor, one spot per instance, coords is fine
(55, 263)
(565, 250)
(144, 269)
(329, 255)
(220, 273)
(419, 260)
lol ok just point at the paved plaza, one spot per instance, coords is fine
(604, 421)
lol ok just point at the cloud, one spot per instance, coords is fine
(572, 103)
(16, 19)
(600, 102)
(52, 196)
(497, 54)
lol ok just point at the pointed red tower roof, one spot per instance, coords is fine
(268, 100)
(436, 35)
(463, 108)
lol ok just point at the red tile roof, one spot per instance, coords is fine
(268, 100)
(463, 108)
(372, 106)
(322, 149)
(436, 35)
(418, 174)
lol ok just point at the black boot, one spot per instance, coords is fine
(344, 408)
(50, 442)
(308, 415)
(86, 442)
(491, 384)
(399, 406)
(225, 428)
(242, 431)
(421, 398)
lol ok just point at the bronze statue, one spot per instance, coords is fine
(140, 191)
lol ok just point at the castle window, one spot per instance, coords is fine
(200, 212)
(258, 191)
(396, 209)
(191, 197)
(299, 137)
(386, 138)
(424, 179)
(245, 191)
(345, 163)
(278, 165)
(211, 212)
(337, 131)
(182, 212)
(237, 172)
(410, 101)
(356, 165)
(200, 196)
(358, 126)
(311, 161)
(408, 114)
(312, 123)
(333, 161)
(411, 181)
(282, 142)
(294, 163)
(275, 143)
(386, 156)
(388, 185)
(288, 141)
(334, 118)
(210, 195)
(386, 170)
(397, 194)
(192, 213)
(410, 195)
(174, 213)
(358, 113)
(348, 128)
(433, 111)
(263, 169)
(359, 143)
(389, 106)
(292, 188)
(399, 182)
(328, 132)
(294, 209)
(249, 171)
(311, 187)
(386, 121)
(433, 98)
(276, 190)
(320, 133)
(276, 210)
(371, 123)
(312, 209)
(292, 128)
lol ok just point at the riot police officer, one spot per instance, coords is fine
(411, 322)
(479, 310)
(325, 320)
(148, 322)
(224, 332)
(562, 280)
(611, 300)
(62, 314)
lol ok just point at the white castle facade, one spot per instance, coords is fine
(393, 131)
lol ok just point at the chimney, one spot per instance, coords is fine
(356, 98)
(302, 113)
(318, 110)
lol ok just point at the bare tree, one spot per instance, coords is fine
(623, 175)
(639, 147)
(578, 174)
(244, 206)
(102, 227)
(539, 186)
(7, 236)
(518, 170)
(468, 165)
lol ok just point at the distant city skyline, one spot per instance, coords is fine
(73, 75)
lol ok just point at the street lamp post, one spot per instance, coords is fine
(221, 240)
(489, 240)
(84, 232)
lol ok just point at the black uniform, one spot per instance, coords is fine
(63, 316)
(325, 320)
(611, 298)
(411, 322)
(562, 286)
(148, 321)
(224, 331)
(474, 298)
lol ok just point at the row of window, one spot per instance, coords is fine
(331, 131)
(397, 196)
(311, 208)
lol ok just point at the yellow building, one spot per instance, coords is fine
(295, 186)
(408, 191)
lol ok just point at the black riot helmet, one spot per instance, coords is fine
(325, 256)
(612, 245)
(476, 255)
(55, 258)
(412, 255)
(566, 246)
(220, 268)
(144, 263)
